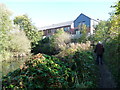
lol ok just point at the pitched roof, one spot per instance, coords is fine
(56, 25)
(80, 15)
(87, 17)
(63, 23)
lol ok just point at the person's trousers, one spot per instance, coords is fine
(99, 59)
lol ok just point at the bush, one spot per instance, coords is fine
(43, 71)
(83, 63)
(17, 45)
(112, 58)
(19, 42)
(59, 40)
(71, 48)
(44, 46)
(10, 42)
(54, 44)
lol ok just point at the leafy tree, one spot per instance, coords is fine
(26, 25)
(83, 30)
(102, 32)
(10, 36)
(5, 27)
(114, 44)
(117, 7)
(19, 43)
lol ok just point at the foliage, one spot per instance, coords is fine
(43, 71)
(11, 41)
(109, 33)
(60, 39)
(102, 32)
(114, 50)
(26, 25)
(115, 28)
(43, 46)
(113, 45)
(112, 58)
(71, 48)
(86, 68)
(83, 30)
(54, 44)
(5, 27)
(117, 7)
(19, 42)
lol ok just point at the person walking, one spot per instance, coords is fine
(99, 50)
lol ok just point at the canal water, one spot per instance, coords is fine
(13, 64)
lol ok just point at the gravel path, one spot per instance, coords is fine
(106, 80)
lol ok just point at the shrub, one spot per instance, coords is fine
(86, 66)
(54, 44)
(60, 39)
(112, 56)
(31, 31)
(44, 46)
(19, 42)
(41, 71)
(71, 48)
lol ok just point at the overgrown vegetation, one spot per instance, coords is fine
(25, 24)
(109, 33)
(56, 43)
(113, 45)
(5, 26)
(19, 43)
(16, 40)
(43, 71)
(71, 65)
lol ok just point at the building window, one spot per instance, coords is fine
(66, 28)
(83, 22)
(49, 31)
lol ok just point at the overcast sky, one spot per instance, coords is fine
(46, 12)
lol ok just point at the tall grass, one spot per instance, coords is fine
(71, 48)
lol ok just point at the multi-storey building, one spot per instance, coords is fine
(72, 27)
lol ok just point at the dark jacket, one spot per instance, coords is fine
(99, 49)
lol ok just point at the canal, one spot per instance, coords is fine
(11, 65)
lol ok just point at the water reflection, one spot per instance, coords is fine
(12, 65)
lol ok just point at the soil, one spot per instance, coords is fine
(106, 79)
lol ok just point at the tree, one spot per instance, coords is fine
(83, 30)
(102, 32)
(114, 51)
(26, 25)
(11, 42)
(115, 21)
(5, 27)
(117, 7)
